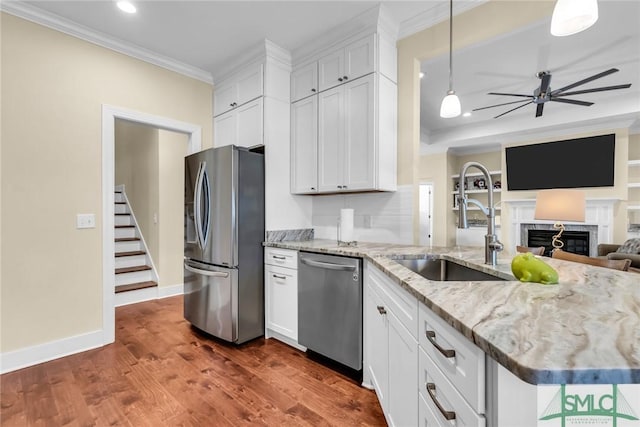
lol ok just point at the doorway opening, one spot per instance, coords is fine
(109, 116)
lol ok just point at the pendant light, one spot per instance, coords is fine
(450, 104)
(572, 16)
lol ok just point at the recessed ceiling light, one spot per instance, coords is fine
(467, 114)
(421, 74)
(126, 6)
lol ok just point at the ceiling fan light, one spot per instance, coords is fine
(450, 106)
(572, 16)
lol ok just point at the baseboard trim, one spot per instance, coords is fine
(40, 353)
(147, 294)
(170, 291)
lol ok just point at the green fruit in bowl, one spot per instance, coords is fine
(527, 268)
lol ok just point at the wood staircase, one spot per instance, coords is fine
(133, 266)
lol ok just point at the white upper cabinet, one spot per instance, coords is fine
(354, 60)
(304, 146)
(346, 141)
(242, 87)
(344, 119)
(242, 126)
(304, 82)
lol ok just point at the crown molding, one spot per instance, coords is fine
(50, 20)
(265, 50)
(438, 13)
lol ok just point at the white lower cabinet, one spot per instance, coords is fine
(391, 360)
(281, 295)
(426, 373)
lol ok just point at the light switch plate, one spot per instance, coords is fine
(86, 221)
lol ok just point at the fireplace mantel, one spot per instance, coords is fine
(598, 220)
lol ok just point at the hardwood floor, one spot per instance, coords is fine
(162, 372)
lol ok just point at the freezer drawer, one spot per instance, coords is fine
(209, 299)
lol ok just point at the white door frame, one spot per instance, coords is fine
(109, 116)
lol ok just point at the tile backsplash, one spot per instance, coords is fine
(378, 217)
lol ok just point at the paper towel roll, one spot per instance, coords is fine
(346, 225)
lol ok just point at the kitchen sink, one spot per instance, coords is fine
(444, 270)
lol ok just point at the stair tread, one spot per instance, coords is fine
(125, 226)
(135, 286)
(122, 214)
(127, 239)
(129, 253)
(132, 269)
(121, 203)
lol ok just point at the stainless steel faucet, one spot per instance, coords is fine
(491, 243)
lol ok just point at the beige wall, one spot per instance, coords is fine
(173, 148)
(137, 156)
(497, 17)
(53, 89)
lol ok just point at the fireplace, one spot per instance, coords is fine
(599, 215)
(579, 239)
(576, 242)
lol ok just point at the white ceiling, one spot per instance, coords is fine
(510, 63)
(207, 35)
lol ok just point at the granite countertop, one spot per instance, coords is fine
(586, 329)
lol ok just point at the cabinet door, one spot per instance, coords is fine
(224, 129)
(377, 345)
(281, 300)
(304, 146)
(331, 70)
(360, 139)
(330, 140)
(249, 124)
(402, 407)
(360, 58)
(304, 82)
(224, 96)
(249, 84)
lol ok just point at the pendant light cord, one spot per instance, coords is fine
(450, 45)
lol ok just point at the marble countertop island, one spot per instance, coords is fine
(586, 329)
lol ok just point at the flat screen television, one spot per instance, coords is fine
(572, 163)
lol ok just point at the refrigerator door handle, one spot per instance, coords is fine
(206, 188)
(197, 208)
(205, 272)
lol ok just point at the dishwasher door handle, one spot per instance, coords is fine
(328, 265)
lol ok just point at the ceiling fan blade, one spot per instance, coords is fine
(596, 89)
(499, 105)
(587, 80)
(513, 109)
(544, 85)
(572, 101)
(539, 110)
(509, 94)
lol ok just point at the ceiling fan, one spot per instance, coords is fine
(544, 93)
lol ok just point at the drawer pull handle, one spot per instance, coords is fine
(279, 277)
(431, 336)
(448, 415)
(381, 310)
(277, 257)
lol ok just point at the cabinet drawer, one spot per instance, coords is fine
(282, 257)
(436, 390)
(466, 368)
(403, 305)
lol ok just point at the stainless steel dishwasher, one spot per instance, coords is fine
(330, 307)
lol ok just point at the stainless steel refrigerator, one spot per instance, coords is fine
(223, 252)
